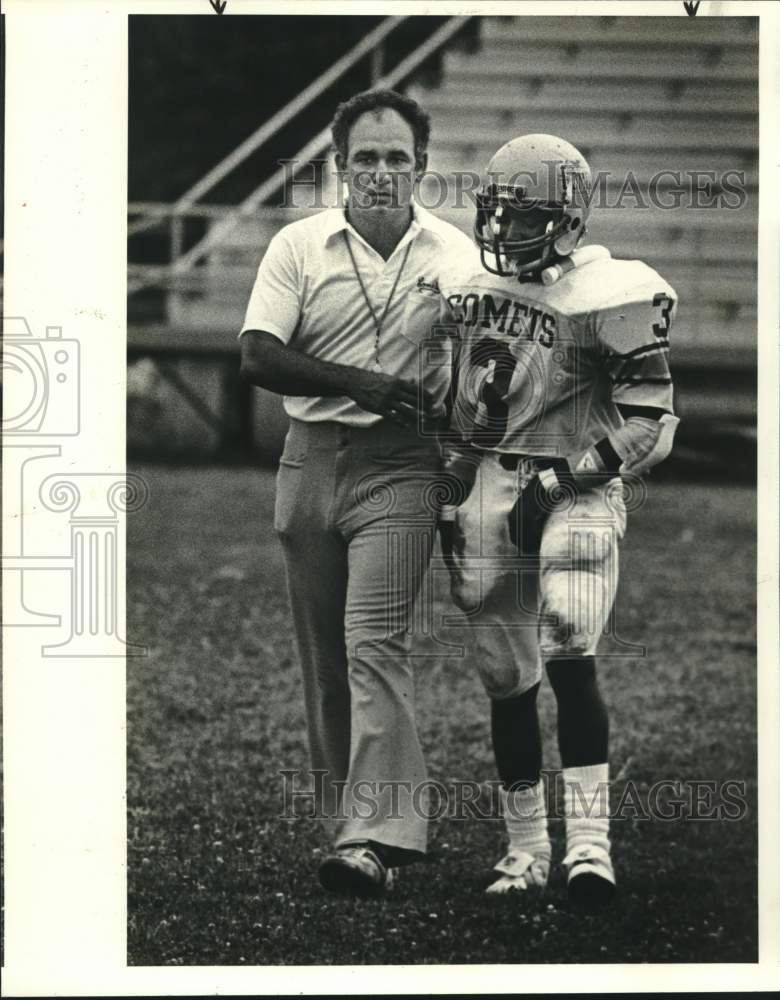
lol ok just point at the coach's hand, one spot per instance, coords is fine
(397, 399)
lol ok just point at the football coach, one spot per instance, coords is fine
(338, 322)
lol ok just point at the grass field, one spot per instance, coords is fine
(215, 712)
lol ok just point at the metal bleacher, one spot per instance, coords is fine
(647, 99)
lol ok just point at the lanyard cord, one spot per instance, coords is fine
(378, 323)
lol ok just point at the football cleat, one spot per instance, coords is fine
(519, 872)
(355, 871)
(591, 877)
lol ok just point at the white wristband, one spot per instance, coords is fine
(548, 479)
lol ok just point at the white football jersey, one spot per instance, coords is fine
(541, 367)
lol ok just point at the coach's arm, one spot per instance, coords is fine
(268, 363)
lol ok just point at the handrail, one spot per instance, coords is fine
(157, 213)
(165, 209)
(268, 129)
(312, 148)
(161, 211)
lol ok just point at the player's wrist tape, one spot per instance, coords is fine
(557, 474)
(610, 460)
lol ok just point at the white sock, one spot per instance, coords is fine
(587, 805)
(525, 816)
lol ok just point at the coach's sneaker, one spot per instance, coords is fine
(520, 872)
(591, 878)
(355, 871)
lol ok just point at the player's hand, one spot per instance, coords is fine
(397, 399)
(458, 478)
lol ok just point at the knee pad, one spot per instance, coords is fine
(507, 660)
(579, 576)
(563, 640)
(509, 684)
(466, 590)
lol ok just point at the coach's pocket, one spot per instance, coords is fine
(289, 479)
(288, 490)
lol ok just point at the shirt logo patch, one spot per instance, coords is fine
(428, 286)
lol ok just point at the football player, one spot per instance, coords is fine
(562, 388)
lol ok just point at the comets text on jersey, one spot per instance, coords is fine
(508, 316)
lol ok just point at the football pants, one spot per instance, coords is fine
(551, 594)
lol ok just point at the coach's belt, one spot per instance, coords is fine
(538, 462)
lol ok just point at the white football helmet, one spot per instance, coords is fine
(532, 205)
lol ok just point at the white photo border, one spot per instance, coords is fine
(64, 738)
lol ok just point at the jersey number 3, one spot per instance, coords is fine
(665, 302)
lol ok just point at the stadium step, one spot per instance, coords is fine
(667, 244)
(668, 58)
(728, 287)
(600, 63)
(682, 31)
(503, 76)
(734, 337)
(595, 141)
(601, 125)
(557, 96)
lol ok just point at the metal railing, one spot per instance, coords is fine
(154, 214)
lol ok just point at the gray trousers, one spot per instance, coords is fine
(356, 522)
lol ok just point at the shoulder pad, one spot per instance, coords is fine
(605, 284)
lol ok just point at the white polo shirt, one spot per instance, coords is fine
(307, 294)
